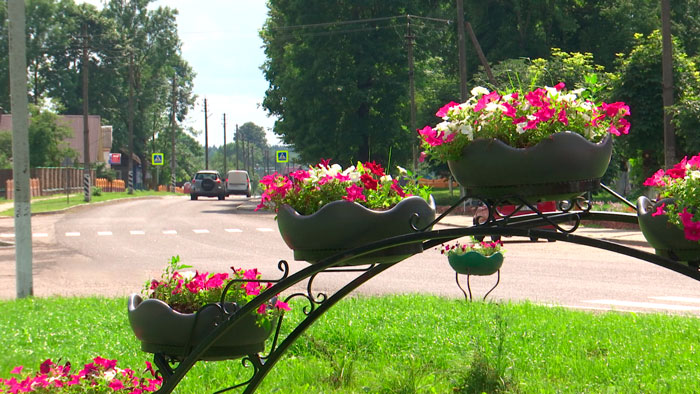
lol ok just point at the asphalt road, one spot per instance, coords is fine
(114, 248)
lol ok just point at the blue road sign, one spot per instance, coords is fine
(282, 156)
(157, 159)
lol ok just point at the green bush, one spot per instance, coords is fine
(96, 191)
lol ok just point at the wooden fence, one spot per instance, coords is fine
(439, 183)
(116, 185)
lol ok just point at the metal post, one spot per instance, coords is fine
(236, 137)
(667, 83)
(172, 134)
(20, 147)
(131, 122)
(225, 167)
(206, 137)
(86, 127)
(412, 91)
(462, 51)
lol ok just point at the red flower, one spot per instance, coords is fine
(375, 168)
(395, 187)
(678, 170)
(325, 162)
(369, 182)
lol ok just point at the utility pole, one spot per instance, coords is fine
(173, 99)
(19, 106)
(412, 89)
(236, 138)
(667, 84)
(461, 41)
(206, 137)
(86, 129)
(131, 122)
(225, 167)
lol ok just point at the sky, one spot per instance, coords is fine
(221, 44)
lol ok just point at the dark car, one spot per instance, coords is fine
(207, 183)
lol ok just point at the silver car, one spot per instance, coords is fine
(207, 183)
(238, 182)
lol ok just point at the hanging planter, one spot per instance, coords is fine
(560, 167)
(165, 331)
(474, 263)
(665, 237)
(539, 145)
(342, 225)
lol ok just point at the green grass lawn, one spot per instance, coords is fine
(398, 344)
(58, 202)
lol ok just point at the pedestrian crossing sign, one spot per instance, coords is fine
(157, 159)
(282, 156)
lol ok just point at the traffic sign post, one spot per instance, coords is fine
(157, 159)
(282, 156)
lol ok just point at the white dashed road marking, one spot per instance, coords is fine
(40, 235)
(234, 230)
(170, 232)
(200, 231)
(73, 234)
(5, 235)
(104, 233)
(137, 232)
(264, 229)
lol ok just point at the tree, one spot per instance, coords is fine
(47, 145)
(340, 92)
(5, 149)
(639, 85)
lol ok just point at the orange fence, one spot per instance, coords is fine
(116, 185)
(166, 188)
(34, 187)
(439, 183)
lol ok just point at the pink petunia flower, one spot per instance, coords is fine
(560, 86)
(691, 228)
(485, 99)
(656, 180)
(354, 193)
(282, 305)
(442, 112)
(659, 210)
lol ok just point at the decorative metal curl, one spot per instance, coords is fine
(255, 362)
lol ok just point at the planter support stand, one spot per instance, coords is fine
(526, 226)
(469, 289)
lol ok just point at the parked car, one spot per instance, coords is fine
(207, 183)
(238, 182)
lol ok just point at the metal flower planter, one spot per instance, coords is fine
(165, 331)
(342, 225)
(561, 167)
(667, 239)
(474, 263)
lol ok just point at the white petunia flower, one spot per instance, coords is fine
(402, 170)
(187, 275)
(479, 90)
(385, 178)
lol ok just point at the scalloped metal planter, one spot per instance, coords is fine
(165, 331)
(666, 238)
(474, 263)
(560, 167)
(342, 225)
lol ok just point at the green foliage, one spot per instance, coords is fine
(47, 136)
(429, 343)
(639, 84)
(101, 171)
(5, 148)
(96, 191)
